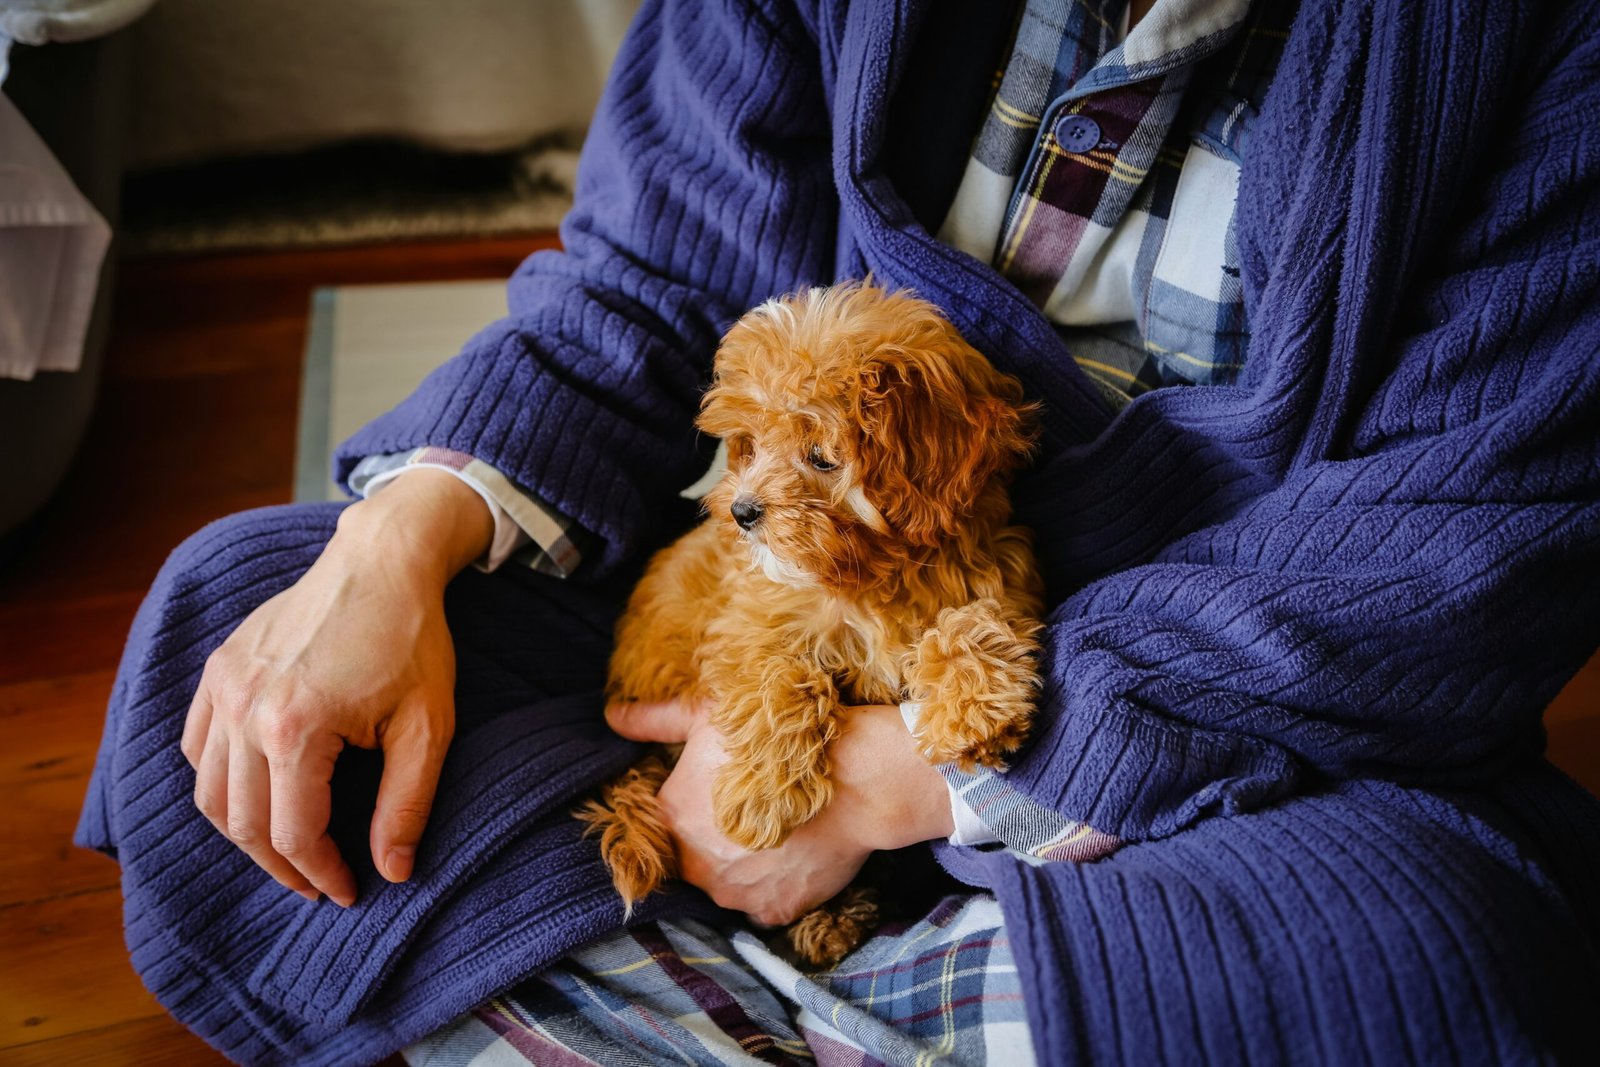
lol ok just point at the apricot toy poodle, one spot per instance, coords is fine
(858, 550)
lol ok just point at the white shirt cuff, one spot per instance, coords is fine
(508, 536)
(969, 829)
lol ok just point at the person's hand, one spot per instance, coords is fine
(356, 652)
(885, 796)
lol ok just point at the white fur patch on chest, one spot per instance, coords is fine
(778, 570)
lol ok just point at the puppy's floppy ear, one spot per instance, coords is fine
(940, 423)
(726, 405)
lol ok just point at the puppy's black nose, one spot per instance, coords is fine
(746, 512)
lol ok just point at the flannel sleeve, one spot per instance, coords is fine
(986, 810)
(527, 530)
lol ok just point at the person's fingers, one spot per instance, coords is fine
(197, 725)
(413, 754)
(666, 721)
(301, 803)
(211, 780)
(769, 920)
(713, 876)
(250, 817)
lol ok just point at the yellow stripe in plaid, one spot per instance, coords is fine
(1084, 830)
(1152, 346)
(1127, 382)
(1014, 241)
(947, 985)
(1094, 364)
(1014, 123)
(1105, 162)
(647, 962)
(1013, 116)
(872, 990)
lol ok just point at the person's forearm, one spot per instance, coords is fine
(428, 520)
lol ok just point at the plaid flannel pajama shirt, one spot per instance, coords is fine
(1102, 183)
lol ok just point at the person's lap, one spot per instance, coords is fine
(1359, 921)
(520, 639)
(524, 638)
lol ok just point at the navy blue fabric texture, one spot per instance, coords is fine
(1302, 630)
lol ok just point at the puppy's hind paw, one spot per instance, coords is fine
(823, 937)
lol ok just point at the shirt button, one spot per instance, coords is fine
(1078, 133)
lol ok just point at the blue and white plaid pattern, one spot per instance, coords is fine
(1026, 827)
(944, 989)
(1104, 187)
(987, 810)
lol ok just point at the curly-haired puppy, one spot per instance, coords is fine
(857, 551)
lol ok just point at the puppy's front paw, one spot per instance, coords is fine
(973, 674)
(755, 810)
(971, 735)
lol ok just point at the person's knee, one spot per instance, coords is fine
(248, 547)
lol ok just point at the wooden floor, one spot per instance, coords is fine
(197, 420)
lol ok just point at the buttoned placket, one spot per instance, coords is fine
(1096, 143)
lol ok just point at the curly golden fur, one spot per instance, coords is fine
(858, 550)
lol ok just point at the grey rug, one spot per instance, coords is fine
(367, 348)
(352, 194)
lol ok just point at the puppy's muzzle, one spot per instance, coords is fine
(746, 511)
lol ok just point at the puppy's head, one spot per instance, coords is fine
(860, 429)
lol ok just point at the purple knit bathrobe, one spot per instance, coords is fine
(1301, 628)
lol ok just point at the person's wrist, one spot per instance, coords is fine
(921, 807)
(907, 801)
(427, 522)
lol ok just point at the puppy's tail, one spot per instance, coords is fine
(633, 841)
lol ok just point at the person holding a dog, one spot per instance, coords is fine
(1307, 296)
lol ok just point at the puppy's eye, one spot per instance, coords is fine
(819, 461)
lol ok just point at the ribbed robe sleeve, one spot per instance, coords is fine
(1404, 599)
(704, 188)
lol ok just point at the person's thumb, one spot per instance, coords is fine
(412, 758)
(666, 721)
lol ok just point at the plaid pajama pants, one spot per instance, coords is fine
(943, 989)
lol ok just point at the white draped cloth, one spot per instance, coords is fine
(52, 242)
(43, 21)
